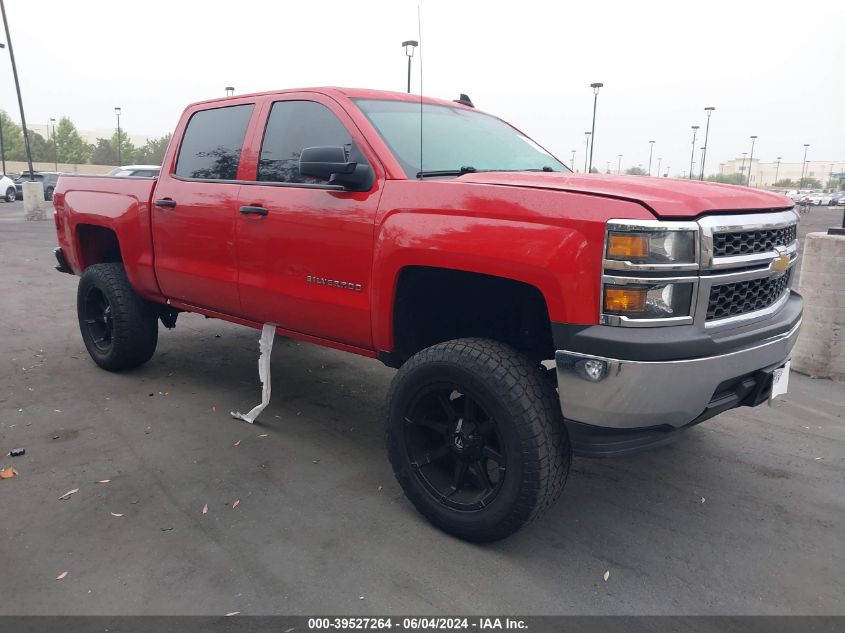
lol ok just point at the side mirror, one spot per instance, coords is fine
(331, 163)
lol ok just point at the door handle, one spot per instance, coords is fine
(250, 210)
(166, 202)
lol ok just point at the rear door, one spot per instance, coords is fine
(306, 264)
(195, 209)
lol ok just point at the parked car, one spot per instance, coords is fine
(47, 178)
(7, 189)
(837, 198)
(531, 312)
(135, 171)
(820, 198)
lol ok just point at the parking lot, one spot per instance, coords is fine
(743, 515)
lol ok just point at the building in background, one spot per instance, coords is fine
(828, 172)
(91, 136)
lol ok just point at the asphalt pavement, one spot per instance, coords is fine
(743, 515)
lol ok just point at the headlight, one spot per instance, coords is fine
(653, 246)
(648, 300)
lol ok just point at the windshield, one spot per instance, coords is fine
(453, 139)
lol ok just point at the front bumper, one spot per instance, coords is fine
(628, 394)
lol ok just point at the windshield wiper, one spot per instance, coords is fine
(466, 169)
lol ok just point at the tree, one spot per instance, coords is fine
(810, 183)
(105, 150)
(69, 144)
(636, 171)
(785, 183)
(41, 148)
(13, 145)
(729, 179)
(594, 170)
(152, 153)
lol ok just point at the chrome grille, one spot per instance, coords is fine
(749, 242)
(727, 300)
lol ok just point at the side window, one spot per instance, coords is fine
(212, 143)
(293, 126)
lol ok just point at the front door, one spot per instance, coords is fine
(306, 264)
(195, 212)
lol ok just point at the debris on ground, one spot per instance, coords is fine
(230, 614)
(263, 435)
(17, 452)
(61, 576)
(104, 481)
(236, 504)
(265, 346)
(606, 575)
(115, 514)
(236, 443)
(68, 494)
(7, 473)
(205, 509)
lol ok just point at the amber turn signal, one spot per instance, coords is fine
(624, 300)
(627, 246)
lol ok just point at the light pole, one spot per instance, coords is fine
(709, 111)
(702, 161)
(595, 87)
(803, 167)
(692, 152)
(742, 169)
(2, 148)
(55, 147)
(650, 152)
(409, 45)
(572, 162)
(18, 89)
(230, 91)
(659, 160)
(777, 169)
(117, 114)
(750, 161)
(619, 165)
(607, 169)
(587, 152)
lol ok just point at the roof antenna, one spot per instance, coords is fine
(419, 38)
(464, 100)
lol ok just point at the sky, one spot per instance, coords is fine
(773, 69)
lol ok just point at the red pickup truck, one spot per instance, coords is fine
(531, 312)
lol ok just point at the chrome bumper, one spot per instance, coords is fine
(625, 394)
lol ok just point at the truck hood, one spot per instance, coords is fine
(665, 197)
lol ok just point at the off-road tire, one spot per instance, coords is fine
(525, 409)
(133, 331)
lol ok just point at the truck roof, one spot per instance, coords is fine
(349, 93)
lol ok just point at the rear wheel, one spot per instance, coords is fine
(11, 195)
(476, 439)
(119, 329)
(48, 193)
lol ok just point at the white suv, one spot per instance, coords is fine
(7, 189)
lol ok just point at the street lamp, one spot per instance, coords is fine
(803, 167)
(659, 160)
(702, 161)
(750, 161)
(410, 45)
(777, 169)
(709, 111)
(595, 87)
(692, 152)
(650, 152)
(742, 169)
(18, 89)
(572, 162)
(117, 113)
(587, 152)
(230, 91)
(55, 147)
(619, 165)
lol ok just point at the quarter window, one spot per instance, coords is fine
(212, 143)
(293, 126)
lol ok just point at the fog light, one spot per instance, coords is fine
(594, 369)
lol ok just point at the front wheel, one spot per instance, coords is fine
(11, 195)
(476, 438)
(119, 329)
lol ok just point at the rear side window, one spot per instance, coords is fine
(293, 126)
(212, 143)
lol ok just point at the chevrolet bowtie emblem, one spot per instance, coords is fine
(781, 263)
